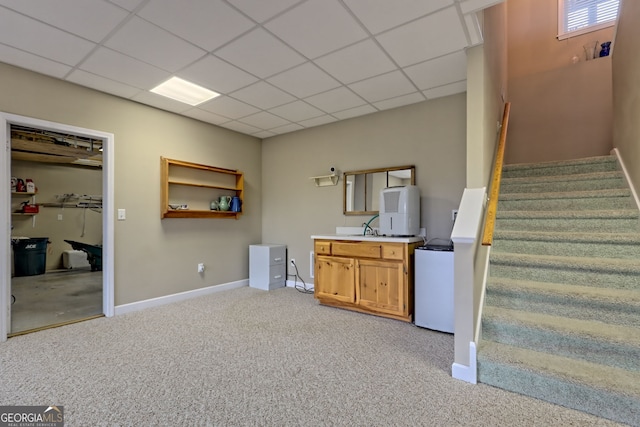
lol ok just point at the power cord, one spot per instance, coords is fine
(300, 288)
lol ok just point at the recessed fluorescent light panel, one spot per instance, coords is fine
(184, 91)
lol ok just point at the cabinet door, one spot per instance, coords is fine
(381, 285)
(335, 278)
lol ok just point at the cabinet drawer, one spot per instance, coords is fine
(360, 249)
(277, 255)
(276, 274)
(323, 248)
(390, 251)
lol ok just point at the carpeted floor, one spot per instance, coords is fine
(247, 357)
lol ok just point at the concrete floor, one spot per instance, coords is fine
(56, 297)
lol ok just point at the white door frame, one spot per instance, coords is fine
(6, 120)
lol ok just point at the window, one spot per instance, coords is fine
(577, 17)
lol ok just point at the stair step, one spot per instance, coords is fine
(594, 341)
(578, 200)
(620, 220)
(605, 245)
(604, 272)
(561, 314)
(604, 391)
(615, 306)
(563, 167)
(575, 182)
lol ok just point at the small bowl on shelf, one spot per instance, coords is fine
(177, 207)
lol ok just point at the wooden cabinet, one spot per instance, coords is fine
(335, 279)
(380, 286)
(367, 276)
(187, 189)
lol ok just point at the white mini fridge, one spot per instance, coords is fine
(433, 290)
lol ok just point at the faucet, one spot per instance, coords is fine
(367, 226)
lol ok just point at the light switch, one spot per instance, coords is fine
(122, 214)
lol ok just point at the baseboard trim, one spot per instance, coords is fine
(467, 373)
(182, 296)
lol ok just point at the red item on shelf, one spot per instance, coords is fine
(30, 208)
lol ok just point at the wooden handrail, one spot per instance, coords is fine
(490, 220)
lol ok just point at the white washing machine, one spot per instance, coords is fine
(433, 291)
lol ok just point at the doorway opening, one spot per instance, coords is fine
(57, 249)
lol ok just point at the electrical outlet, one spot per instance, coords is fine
(454, 215)
(201, 268)
(292, 262)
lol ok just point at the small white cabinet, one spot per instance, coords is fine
(267, 266)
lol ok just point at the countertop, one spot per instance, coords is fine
(368, 238)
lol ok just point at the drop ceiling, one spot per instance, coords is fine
(279, 65)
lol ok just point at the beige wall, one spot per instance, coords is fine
(76, 224)
(626, 89)
(153, 257)
(559, 110)
(486, 90)
(429, 135)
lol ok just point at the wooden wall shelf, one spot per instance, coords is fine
(196, 185)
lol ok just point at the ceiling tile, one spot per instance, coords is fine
(296, 111)
(260, 11)
(264, 134)
(286, 129)
(264, 120)
(317, 121)
(121, 68)
(228, 107)
(206, 23)
(32, 62)
(91, 19)
(446, 90)
(381, 15)
(439, 71)
(354, 112)
(262, 95)
(159, 101)
(357, 62)
(241, 127)
(400, 101)
(127, 4)
(217, 75)
(317, 27)
(383, 87)
(260, 54)
(149, 43)
(422, 39)
(304, 80)
(102, 84)
(206, 116)
(35, 37)
(335, 100)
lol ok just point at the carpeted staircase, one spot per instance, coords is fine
(561, 320)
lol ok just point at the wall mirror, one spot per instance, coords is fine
(361, 193)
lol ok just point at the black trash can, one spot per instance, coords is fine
(29, 256)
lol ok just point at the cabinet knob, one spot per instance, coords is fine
(277, 259)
